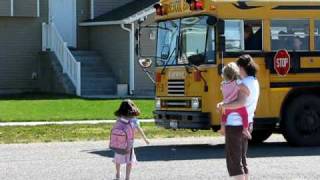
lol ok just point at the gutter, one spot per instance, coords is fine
(127, 20)
(131, 57)
(103, 23)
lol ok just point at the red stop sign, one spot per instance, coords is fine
(282, 62)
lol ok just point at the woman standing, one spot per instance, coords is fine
(236, 143)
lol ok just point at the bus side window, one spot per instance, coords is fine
(290, 34)
(243, 35)
(317, 35)
(233, 35)
(253, 35)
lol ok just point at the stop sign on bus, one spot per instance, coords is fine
(282, 62)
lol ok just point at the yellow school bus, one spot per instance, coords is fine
(195, 38)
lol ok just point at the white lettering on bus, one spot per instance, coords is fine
(282, 62)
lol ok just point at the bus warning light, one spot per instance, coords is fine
(158, 77)
(195, 4)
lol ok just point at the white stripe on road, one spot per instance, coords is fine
(91, 122)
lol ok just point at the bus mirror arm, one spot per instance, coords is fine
(149, 75)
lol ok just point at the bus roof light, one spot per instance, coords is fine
(195, 4)
(199, 5)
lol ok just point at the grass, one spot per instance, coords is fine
(63, 133)
(62, 108)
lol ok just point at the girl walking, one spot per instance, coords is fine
(122, 136)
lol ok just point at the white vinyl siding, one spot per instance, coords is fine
(25, 8)
(20, 8)
(104, 6)
(5, 7)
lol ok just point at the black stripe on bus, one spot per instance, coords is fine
(294, 84)
(297, 8)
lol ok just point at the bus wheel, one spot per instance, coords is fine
(301, 123)
(259, 136)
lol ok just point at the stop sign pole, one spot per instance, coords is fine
(282, 62)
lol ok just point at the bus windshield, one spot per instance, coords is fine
(180, 39)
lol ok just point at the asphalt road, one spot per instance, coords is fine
(183, 159)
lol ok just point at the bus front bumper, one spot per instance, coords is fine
(182, 120)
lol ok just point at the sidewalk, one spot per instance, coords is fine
(6, 124)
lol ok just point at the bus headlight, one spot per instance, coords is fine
(158, 103)
(195, 103)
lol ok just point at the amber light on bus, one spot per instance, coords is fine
(197, 75)
(158, 77)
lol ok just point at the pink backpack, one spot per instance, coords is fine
(121, 137)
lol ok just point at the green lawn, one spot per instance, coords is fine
(57, 133)
(61, 108)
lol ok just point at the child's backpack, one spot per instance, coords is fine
(121, 137)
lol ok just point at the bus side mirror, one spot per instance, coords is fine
(145, 63)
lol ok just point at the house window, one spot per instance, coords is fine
(290, 34)
(317, 35)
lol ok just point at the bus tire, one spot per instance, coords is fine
(259, 136)
(301, 122)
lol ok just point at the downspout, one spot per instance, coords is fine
(131, 57)
(92, 9)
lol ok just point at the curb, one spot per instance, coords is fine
(91, 122)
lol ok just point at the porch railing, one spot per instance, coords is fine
(52, 40)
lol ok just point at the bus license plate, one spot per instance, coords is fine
(174, 124)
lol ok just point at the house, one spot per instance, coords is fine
(81, 47)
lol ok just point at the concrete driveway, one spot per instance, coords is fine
(183, 159)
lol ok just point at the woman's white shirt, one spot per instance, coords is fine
(234, 119)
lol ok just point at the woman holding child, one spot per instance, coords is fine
(241, 92)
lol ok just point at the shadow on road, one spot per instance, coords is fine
(206, 151)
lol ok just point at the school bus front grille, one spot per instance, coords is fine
(176, 104)
(176, 88)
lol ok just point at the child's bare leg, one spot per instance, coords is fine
(222, 130)
(247, 133)
(118, 171)
(128, 171)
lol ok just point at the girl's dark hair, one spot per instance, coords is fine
(127, 109)
(248, 64)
